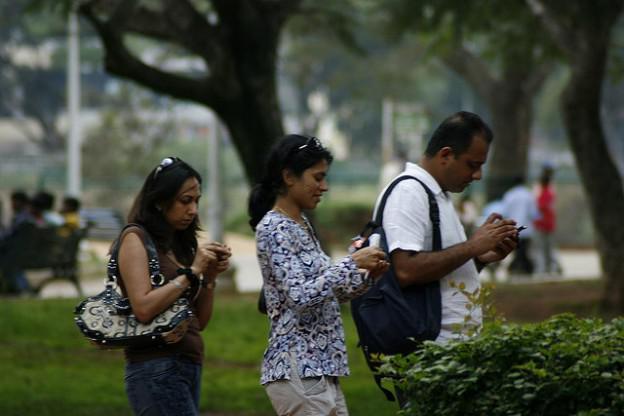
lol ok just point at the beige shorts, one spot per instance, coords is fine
(318, 396)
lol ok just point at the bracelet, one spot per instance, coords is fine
(193, 278)
(177, 284)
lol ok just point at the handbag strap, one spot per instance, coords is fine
(112, 270)
(434, 210)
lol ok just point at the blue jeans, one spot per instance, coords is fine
(166, 386)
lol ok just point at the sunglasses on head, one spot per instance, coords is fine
(165, 163)
(312, 142)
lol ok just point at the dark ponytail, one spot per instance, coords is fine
(294, 152)
(261, 200)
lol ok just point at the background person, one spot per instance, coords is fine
(306, 351)
(519, 204)
(166, 380)
(43, 204)
(12, 278)
(545, 224)
(70, 211)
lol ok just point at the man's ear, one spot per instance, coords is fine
(445, 154)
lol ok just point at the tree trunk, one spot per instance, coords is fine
(509, 97)
(582, 30)
(599, 174)
(511, 123)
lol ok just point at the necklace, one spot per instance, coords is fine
(301, 220)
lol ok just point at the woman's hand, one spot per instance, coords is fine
(372, 259)
(205, 258)
(222, 254)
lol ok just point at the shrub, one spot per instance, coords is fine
(562, 366)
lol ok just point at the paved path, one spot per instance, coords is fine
(577, 264)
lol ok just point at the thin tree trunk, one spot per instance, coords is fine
(511, 123)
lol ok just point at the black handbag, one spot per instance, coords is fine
(106, 319)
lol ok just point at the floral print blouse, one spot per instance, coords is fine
(303, 290)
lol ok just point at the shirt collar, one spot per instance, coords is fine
(417, 171)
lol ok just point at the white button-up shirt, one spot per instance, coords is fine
(408, 227)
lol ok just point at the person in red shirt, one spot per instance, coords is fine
(545, 224)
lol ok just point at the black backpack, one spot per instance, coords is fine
(391, 320)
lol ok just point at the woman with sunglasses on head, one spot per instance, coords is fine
(165, 380)
(306, 351)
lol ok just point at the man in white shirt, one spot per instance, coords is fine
(453, 159)
(519, 203)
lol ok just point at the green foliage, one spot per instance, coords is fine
(501, 31)
(563, 366)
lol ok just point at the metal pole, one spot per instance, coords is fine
(214, 191)
(387, 131)
(73, 104)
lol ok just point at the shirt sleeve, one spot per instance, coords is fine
(406, 218)
(301, 273)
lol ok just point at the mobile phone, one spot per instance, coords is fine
(522, 227)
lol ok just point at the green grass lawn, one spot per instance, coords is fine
(49, 369)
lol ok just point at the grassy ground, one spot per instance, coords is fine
(51, 370)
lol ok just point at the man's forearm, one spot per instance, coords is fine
(428, 266)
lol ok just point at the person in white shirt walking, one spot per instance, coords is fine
(519, 204)
(453, 159)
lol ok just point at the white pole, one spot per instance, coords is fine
(387, 131)
(73, 104)
(215, 197)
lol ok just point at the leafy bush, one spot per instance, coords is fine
(562, 366)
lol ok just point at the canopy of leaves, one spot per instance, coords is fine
(504, 32)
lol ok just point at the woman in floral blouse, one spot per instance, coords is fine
(306, 351)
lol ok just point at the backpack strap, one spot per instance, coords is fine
(434, 210)
(434, 216)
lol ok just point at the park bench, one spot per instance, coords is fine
(44, 248)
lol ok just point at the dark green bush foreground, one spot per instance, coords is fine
(562, 366)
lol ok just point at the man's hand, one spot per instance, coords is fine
(497, 236)
(500, 252)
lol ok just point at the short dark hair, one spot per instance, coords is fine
(294, 152)
(157, 194)
(20, 196)
(71, 204)
(43, 201)
(457, 132)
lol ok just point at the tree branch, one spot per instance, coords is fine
(538, 76)
(472, 68)
(566, 39)
(120, 61)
